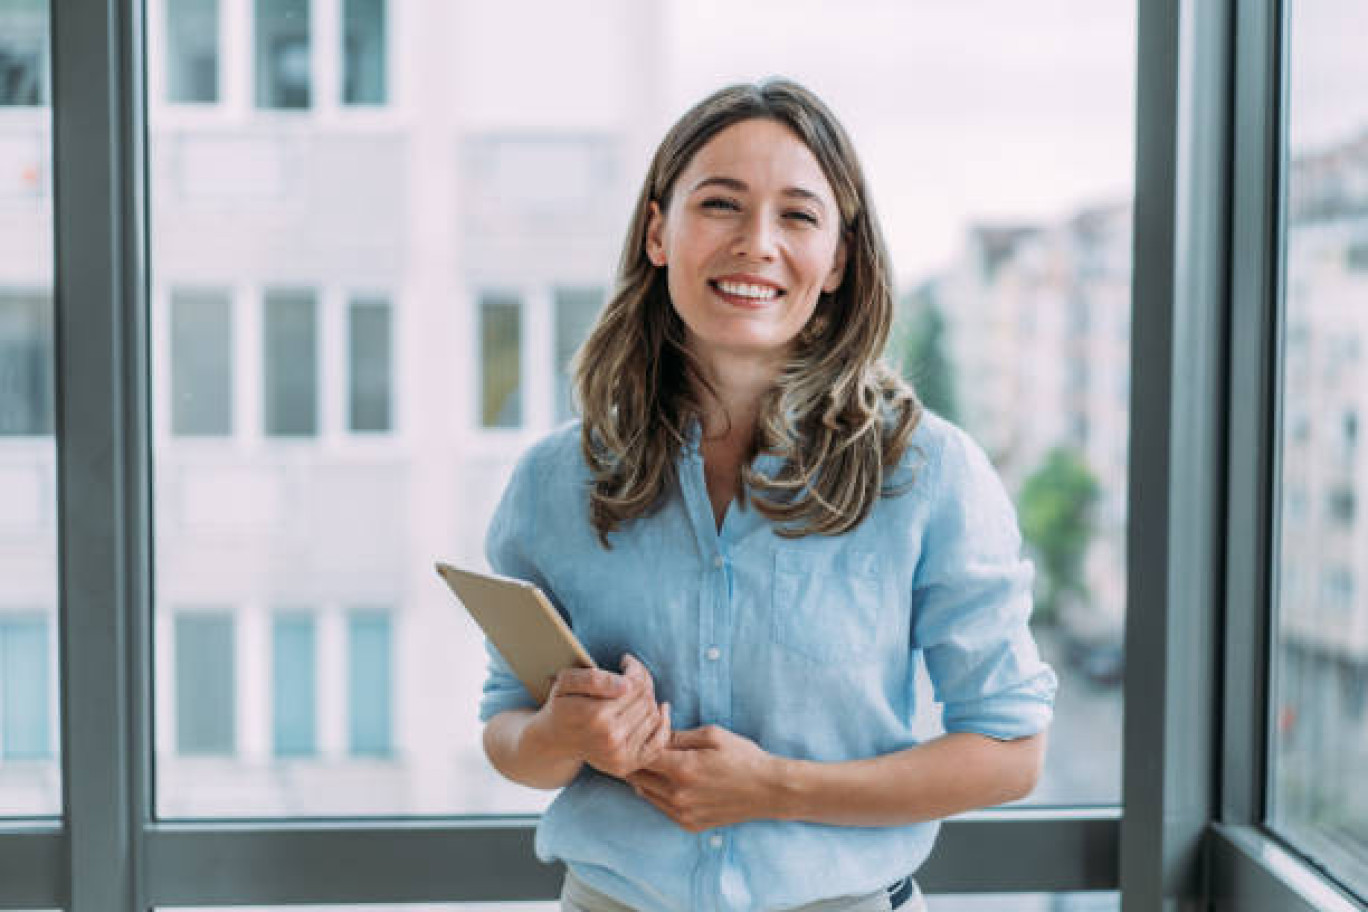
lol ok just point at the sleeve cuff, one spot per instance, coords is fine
(1019, 713)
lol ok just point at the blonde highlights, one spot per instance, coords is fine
(838, 418)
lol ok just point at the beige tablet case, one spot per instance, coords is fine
(522, 624)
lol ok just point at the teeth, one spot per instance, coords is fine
(748, 291)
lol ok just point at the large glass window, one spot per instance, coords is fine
(23, 52)
(1320, 652)
(294, 671)
(369, 355)
(192, 61)
(576, 310)
(500, 361)
(201, 363)
(284, 75)
(370, 683)
(25, 689)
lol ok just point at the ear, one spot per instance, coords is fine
(655, 229)
(838, 265)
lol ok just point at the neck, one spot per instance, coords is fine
(732, 408)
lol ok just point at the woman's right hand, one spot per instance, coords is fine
(610, 721)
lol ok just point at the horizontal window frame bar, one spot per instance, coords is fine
(32, 865)
(492, 860)
(1252, 872)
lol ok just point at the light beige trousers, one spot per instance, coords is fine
(578, 896)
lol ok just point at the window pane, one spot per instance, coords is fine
(369, 684)
(576, 310)
(26, 388)
(205, 695)
(369, 357)
(294, 672)
(290, 368)
(30, 730)
(495, 211)
(501, 361)
(364, 53)
(193, 50)
(201, 363)
(283, 62)
(1320, 709)
(23, 52)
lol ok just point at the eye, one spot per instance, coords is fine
(720, 203)
(801, 215)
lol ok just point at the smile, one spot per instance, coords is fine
(745, 290)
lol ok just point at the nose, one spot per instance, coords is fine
(756, 238)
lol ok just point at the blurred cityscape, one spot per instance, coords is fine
(369, 272)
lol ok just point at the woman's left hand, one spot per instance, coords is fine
(710, 777)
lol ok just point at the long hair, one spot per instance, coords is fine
(837, 417)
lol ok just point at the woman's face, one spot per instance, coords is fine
(751, 237)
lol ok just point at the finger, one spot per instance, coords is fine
(660, 740)
(637, 721)
(647, 735)
(591, 682)
(692, 739)
(637, 673)
(649, 780)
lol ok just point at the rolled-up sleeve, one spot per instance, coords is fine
(508, 548)
(971, 603)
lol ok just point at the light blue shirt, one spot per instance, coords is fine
(806, 646)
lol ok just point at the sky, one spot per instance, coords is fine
(961, 112)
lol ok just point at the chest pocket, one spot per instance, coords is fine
(826, 607)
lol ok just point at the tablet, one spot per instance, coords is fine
(522, 624)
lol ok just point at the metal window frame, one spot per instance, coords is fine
(1186, 636)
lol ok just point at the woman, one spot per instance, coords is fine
(757, 519)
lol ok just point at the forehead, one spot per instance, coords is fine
(763, 154)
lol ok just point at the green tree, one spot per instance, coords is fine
(1056, 505)
(922, 352)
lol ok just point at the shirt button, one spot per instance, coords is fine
(713, 653)
(719, 562)
(715, 841)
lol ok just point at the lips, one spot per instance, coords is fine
(745, 291)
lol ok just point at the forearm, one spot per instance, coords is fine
(951, 774)
(517, 747)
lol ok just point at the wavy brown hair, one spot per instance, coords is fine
(838, 417)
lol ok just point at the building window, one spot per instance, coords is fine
(576, 310)
(25, 364)
(283, 79)
(201, 363)
(500, 361)
(290, 363)
(192, 62)
(23, 53)
(294, 664)
(369, 684)
(370, 358)
(24, 696)
(205, 677)
(363, 53)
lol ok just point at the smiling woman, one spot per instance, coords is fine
(761, 526)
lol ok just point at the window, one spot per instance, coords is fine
(25, 364)
(500, 361)
(364, 53)
(201, 363)
(283, 59)
(370, 359)
(290, 363)
(293, 677)
(25, 695)
(369, 684)
(576, 310)
(192, 62)
(23, 53)
(1320, 639)
(206, 695)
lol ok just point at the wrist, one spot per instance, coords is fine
(539, 739)
(789, 788)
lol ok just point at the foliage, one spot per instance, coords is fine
(921, 349)
(1056, 504)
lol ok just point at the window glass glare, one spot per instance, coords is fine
(369, 356)
(364, 52)
(193, 42)
(1320, 701)
(501, 361)
(283, 61)
(290, 363)
(201, 363)
(23, 53)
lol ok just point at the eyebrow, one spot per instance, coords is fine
(740, 186)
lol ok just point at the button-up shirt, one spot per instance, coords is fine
(808, 646)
